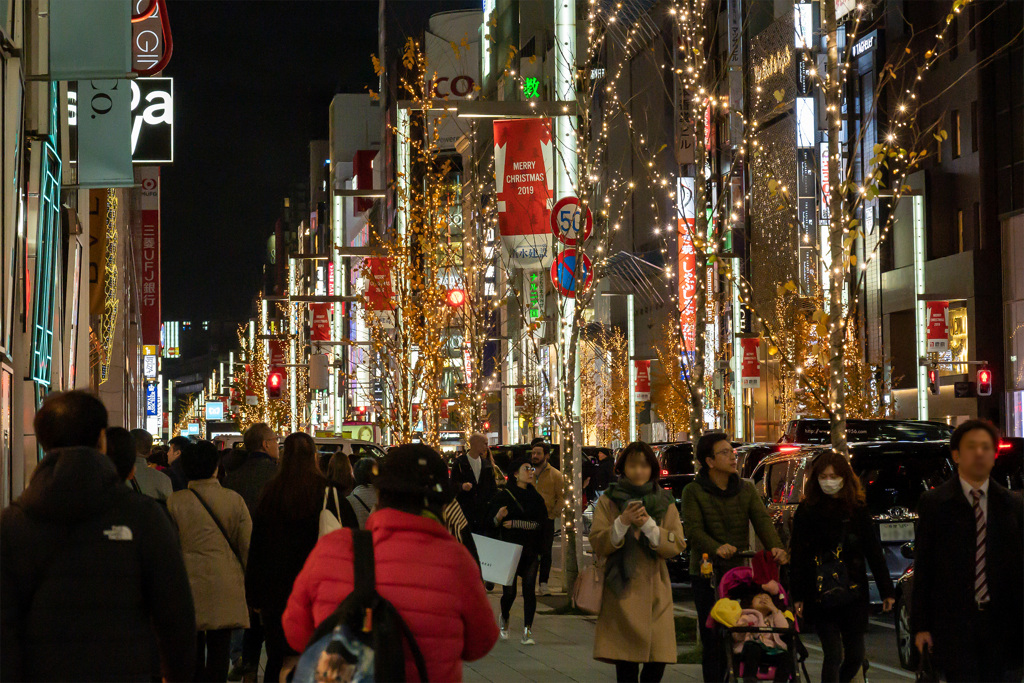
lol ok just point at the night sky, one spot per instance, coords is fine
(253, 83)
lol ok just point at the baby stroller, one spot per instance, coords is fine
(770, 644)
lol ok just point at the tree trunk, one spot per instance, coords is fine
(696, 380)
(571, 468)
(837, 230)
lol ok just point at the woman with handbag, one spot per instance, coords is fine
(636, 529)
(833, 537)
(517, 513)
(296, 505)
(214, 529)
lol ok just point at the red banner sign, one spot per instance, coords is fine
(149, 267)
(937, 326)
(277, 354)
(643, 380)
(320, 326)
(687, 286)
(523, 174)
(750, 367)
(379, 293)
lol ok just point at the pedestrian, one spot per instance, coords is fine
(175, 447)
(120, 449)
(549, 484)
(339, 473)
(473, 477)
(967, 606)
(420, 569)
(718, 509)
(214, 528)
(834, 530)
(148, 480)
(636, 528)
(364, 495)
(598, 474)
(157, 459)
(519, 515)
(92, 582)
(249, 472)
(285, 529)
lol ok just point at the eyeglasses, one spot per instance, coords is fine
(529, 468)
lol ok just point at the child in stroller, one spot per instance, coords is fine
(759, 630)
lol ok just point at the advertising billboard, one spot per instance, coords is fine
(524, 180)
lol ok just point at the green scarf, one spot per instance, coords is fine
(622, 564)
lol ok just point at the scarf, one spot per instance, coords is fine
(622, 564)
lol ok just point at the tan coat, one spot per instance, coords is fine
(639, 626)
(216, 577)
(550, 485)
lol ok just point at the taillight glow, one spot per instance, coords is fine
(788, 449)
(1004, 445)
(664, 473)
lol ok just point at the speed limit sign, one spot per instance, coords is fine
(566, 219)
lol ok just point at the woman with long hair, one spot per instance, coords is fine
(636, 529)
(833, 537)
(517, 513)
(285, 529)
(339, 473)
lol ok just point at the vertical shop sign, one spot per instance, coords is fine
(523, 164)
(750, 368)
(937, 332)
(643, 380)
(321, 325)
(687, 265)
(379, 293)
(149, 310)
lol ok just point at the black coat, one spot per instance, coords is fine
(524, 505)
(92, 580)
(475, 502)
(249, 476)
(944, 555)
(817, 530)
(278, 549)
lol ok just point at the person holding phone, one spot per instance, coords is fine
(518, 513)
(636, 529)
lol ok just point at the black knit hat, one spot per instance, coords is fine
(513, 469)
(417, 469)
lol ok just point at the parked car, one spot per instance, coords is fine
(894, 476)
(505, 454)
(750, 455)
(815, 430)
(1008, 472)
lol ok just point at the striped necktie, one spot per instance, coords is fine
(980, 577)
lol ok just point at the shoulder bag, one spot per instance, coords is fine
(223, 531)
(329, 521)
(589, 588)
(833, 587)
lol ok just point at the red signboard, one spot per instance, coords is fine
(362, 168)
(277, 354)
(523, 174)
(643, 380)
(937, 326)
(320, 327)
(687, 286)
(149, 267)
(750, 366)
(379, 293)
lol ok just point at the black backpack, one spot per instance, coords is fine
(833, 587)
(362, 640)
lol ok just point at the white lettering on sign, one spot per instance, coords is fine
(159, 108)
(864, 45)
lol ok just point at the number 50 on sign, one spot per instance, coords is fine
(566, 217)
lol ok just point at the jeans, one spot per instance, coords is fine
(631, 672)
(212, 652)
(277, 646)
(712, 656)
(508, 593)
(843, 645)
(547, 539)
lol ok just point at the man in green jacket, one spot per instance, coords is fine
(718, 508)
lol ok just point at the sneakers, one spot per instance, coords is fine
(528, 637)
(503, 627)
(544, 589)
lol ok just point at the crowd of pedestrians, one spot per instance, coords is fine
(122, 561)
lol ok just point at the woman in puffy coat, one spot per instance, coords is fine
(285, 528)
(428, 576)
(518, 512)
(214, 529)
(636, 528)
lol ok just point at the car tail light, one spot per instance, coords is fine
(788, 449)
(664, 473)
(1003, 445)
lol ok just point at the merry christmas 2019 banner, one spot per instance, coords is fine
(524, 179)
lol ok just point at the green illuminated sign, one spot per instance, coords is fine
(531, 87)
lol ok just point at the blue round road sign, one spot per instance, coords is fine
(567, 270)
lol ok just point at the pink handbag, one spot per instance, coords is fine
(586, 594)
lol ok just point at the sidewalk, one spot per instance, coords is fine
(564, 649)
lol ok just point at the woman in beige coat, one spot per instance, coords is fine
(636, 528)
(214, 528)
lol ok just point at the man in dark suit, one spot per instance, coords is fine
(473, 477)
(968, 598)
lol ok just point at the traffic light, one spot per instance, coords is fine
(274, 382)
(984, 381)
(933, 381)
(456, 297)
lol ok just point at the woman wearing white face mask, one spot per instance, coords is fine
(833, 540)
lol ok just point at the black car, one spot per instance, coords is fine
(503, 455)
(815, 430)
(894, 476)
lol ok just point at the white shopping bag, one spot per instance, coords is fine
(498, 559)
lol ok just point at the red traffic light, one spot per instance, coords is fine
(456, 297)
(933, 381)
(984, 382)
(274, 382)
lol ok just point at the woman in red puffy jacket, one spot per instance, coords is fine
(428, 576)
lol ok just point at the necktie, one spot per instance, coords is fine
(980, 577)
